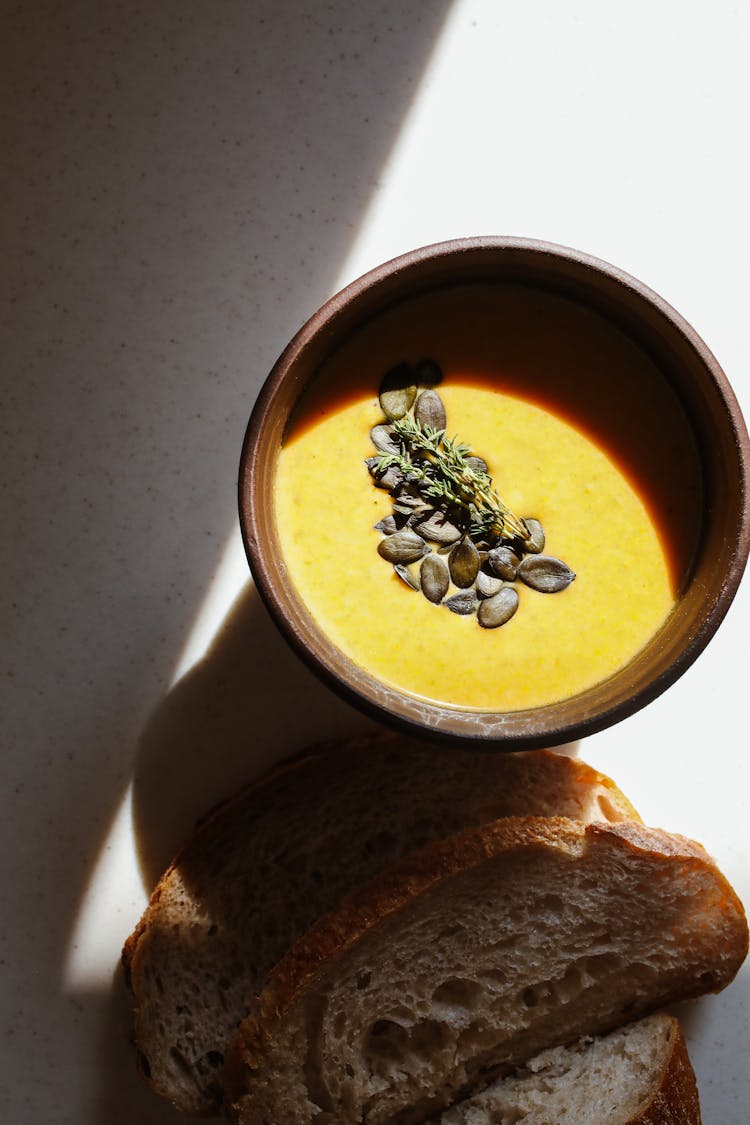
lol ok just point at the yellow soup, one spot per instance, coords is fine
(617, 509)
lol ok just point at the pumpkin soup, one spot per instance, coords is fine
(531, 387)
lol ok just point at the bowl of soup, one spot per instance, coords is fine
(495, 491)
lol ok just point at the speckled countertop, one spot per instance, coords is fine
(182, 184)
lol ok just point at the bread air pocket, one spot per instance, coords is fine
(264, 867)
(466, 961)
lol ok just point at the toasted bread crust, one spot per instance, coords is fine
(534, 780)
(306, 759)
(369, 907)
(649, 1056)
(204, 828)
(675, 1100)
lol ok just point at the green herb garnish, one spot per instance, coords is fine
(449, 530)
(438, 466)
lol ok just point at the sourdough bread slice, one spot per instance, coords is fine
(261, 870)
(464, 962)
(637, 1075)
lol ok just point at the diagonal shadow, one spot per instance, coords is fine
(183, 184)
(247, 705)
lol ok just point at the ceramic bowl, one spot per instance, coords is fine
(723, 535)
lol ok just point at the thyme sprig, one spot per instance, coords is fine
(438, 466)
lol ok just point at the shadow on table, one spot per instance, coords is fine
(185, 184)
(124, 1098)
(128, 1101)
(249, 703)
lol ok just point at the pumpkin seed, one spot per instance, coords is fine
(409, 512)
(464, 563)
(382, 438)
(488, 585)
(497, 610)
(463, 603)
(409, 499)
(477, 464)
(429, 411)
(397, 392)
(503, 562)
(402, 547)
(413, 518)
(534, 544)
(406, 576)
(428, 373)
(437, 527)
(545, 573)
(389, 478)
(387, 525)
(434, 578)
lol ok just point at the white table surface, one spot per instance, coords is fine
(182, 185)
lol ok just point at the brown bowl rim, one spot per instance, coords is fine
(517, 730)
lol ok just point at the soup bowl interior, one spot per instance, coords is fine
(718, 531)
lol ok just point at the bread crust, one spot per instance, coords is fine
(369, 907)
(674, 1099)
(562, 783)
(306, 759)
(207, 823)
(669, 1094)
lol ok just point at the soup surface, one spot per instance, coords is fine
(579, 431)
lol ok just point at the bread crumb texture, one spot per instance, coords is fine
(456, 967)
(263, 868)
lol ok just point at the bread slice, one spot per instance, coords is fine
(469, 959)
(262, 869)
(637, 1075)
